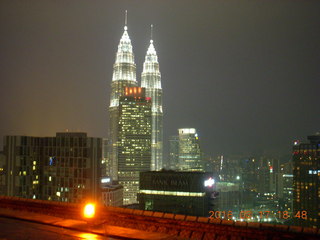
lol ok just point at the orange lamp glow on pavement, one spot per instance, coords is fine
(89, 210)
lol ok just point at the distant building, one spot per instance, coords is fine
(112, 193)
(61, 168)
(190, 156)
(105, 167)
(306, 182)
(285, 191)
(251, 174)
(190, 193)
(173, 163)
(228, 198)
(134, 140)
(2, 174)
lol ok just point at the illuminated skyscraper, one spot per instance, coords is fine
(134, 140)
(151, 80)
(190, 158)
(124, 75)
(306, 182)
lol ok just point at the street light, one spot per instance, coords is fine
(89, 210)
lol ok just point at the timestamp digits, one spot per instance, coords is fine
(221, 214)
(246, 215)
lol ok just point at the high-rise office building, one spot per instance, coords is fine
(124, 75)
(151, 81)
(61, 168)
(190, 157)
(306, 182)
(134, 140)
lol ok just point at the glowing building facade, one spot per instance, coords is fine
(190, 157)
(135, 125)
(306, 182)
(134, 140)
(124, 75)
(151, 80)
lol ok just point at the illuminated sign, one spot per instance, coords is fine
(314, 172)
(187, 131)
(51, 159)
(105, 180)
(209, 182)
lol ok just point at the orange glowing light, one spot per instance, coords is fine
(89, 210)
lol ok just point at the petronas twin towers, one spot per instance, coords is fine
(124, 75)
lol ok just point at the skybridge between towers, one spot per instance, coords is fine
(124, 223)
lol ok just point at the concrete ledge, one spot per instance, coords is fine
(191, 218)
(240, 224)
(203, 219)
(267, 226)
(122, 210)
(128, 210)
(177, 224)
(148, 213)
(179, 217)
(283, 228)
(137, 212)
(227, 222)
(296, 229)
(309, 230)
(113, 209)
(254, 224)
(158, 214)
(215, 220)
(168, 215)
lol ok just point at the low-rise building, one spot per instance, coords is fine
(190, 193)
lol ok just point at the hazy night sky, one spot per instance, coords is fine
(245, 74)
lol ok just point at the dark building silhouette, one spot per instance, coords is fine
(306, 182)
(190, 193)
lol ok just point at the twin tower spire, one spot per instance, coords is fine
(124, 75)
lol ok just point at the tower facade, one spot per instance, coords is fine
(134, 140)
(151, 81)
(306, 182)
(190, 157)
(124, 75)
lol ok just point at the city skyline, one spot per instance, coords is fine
(242, 74)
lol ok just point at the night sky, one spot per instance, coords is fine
(245, 74)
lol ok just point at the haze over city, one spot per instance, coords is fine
(245, 74)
